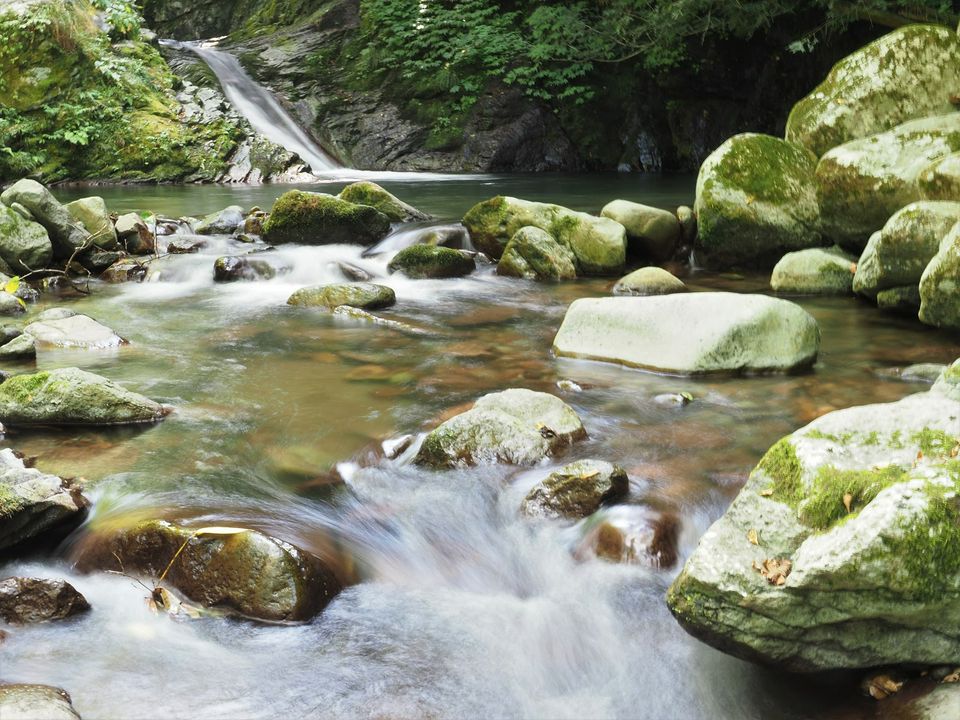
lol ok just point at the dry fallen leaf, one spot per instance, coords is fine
(919, 455)
(853, 268)
(953, 677)
(766, 493)
(589, 476)
(775, 570)
(881, 686)
(754, 537)
(847, 501)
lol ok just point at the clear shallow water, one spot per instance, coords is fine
(464, 609)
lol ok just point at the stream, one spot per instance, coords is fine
(465, 609)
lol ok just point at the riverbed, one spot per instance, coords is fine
(464, 608)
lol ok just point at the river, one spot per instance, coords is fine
(465, 609)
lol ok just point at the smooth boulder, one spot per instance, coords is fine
(73, 331)
(576, 490)
(598, 244)
(842, 551)
(35, 702)
(756, 200)
(366, 296)
(25, 600)
(92, 214)
(222, 222)
(70, 396)
(431, 261)
(905, 75)
(65, 233)
(654, 232)
(691, 333)
(649, 281)
(369, 193)
(24, 244)
(815, 271)
(516, 427)
(534, 254)
(22, 347)
(311, 218)
(940, 285)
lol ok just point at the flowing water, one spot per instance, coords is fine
(463, 609)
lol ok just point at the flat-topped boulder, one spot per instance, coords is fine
(70, 396)
(222, 222)
(310, 218)
(73, 331)
(842, 550)
(691, 333)
(367, 296)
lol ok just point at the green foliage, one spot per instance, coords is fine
(783, 467)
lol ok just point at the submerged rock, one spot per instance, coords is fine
(242, 570)
(430, 261)
(366, 296)
(577, 490)
(223, 222)
(649, 281)
(534, 254)
(69, 396)
(815, 271)
(940, 285)
(92, 214)
(32, 600)
(517, 427)
(72, 331)
(691, 333)
(905, 75)
(599, 244)
(65, 234)
(24, 245)
(33, 503)
(631, 534)
(369, 193)
(842, 550)
(756, 200)
(655, 232)
(317, 219)
(35, 702)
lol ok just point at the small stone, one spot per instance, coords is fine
(25, 601)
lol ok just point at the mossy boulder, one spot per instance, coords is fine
(576, 490)
(222, 222)
(756, 201)
(692, 333)
(655, 233)
(842, 550)
(534, 254)
(310, 218)
(516, 427)
(941, 180)
(69, 396)
(431, 261)
(898, 254)
(33, 503)
(367, 296)
(940, 285)
(649, 281)
(903, 300)
(598, 244)
(24, 245)
(66, 235)
(905, 75)
(861, 184)
(92, 214)
(815, 271)
(369, 193)
(240, 570)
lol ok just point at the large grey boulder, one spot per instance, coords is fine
(656, 233)
(24, 245)
(861, 184)
(598, 244)
(905, 75)
(815, 271)
(517, 427)
(842, 550)
(92, 214)
(69, 396)
(33, 503)
(35, 702)
(691, 333)
(73, 331)
(940, 285)
(756, 200)
(66, 234)
(898, 254)
(26, 600)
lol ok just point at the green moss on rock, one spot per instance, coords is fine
(431, 261)
(317, 219)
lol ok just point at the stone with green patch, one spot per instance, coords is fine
(366, 296)
(66, 234)
(649, 281)
(24, 244)
(940, 285)
(534, 254)
(576, 490)
(654, 232)
(431, 261)
(310, 218)
(815, 271)
(222, 222)
(369, 193)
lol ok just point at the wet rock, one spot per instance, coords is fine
(236, 569)
(354, 272)
(97, 261)
(688, 225)
(905, 75)
(135, 236)
(369, 193)
(33, 503)
(23, 347)
(32, 600)
(756, 201)
(125, 270)
(860, 185)
(517, 427)
(576, 490)
(431, 262)
(940, 285)
(815, 271)
(941, 180)
(65, 234)
(898, 254)
(317, 219)
(242, 267)
(903, 300)
(598, 244)
(24, 244)
(948, 384)
(35, 702)
(691, 333)
(452, 236)
(10, 304)
(72, 331)
(534, 254)
(223, 222)
(69, 396)
(366, 296)
(649, 281)
(848, 525)
(654, 232)
(92, 214)
(186, 244)
(631, 534)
